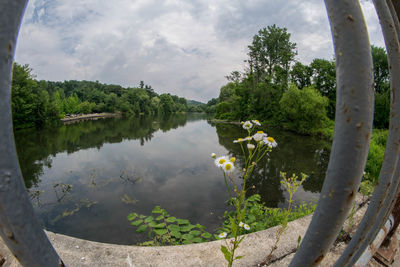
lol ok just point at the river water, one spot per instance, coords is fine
(85, 178)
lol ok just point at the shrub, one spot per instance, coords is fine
(304, 110)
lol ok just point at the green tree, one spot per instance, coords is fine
(167, 104)
(271, 50)
(381, 84)
(301, 75)
(111, 102)
(304, 110)
(381, 69)
(324, 80)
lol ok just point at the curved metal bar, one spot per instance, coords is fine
(354, 113)
(18, 225)
(384, 196)
(375, 216)
(395, 17)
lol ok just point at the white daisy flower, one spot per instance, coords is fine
(270, 141)
(239, 140)
(213, 155)
(219, 162)
(232, 159)
(259, 136)
(248, 138)
(250, 146)
(256, 122)
(246, 226)
(247, 125)
(228, 167)
(241, 224)
(222, 235)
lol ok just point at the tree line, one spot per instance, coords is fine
(276, 88)
(35, 103)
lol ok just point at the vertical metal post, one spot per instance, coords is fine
(354, 113)
(384, 195)
(18, 225)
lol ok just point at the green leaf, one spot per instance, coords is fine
(165, 213)
(149, 219)
(160, 225)
(251, 218)
(157, 209)
(174, 227)
(187, 228)
(141, 228)
(195, 232)
(186, 242)
(187, 237)
(206, 235)
(132, 216)
(142, 216)
(197, 240)
(137, 222)
(160, 217)
(200, 226)
(182, 221)
(153, 224)
(238, 257)
(171, 219)
(226, 253)
(160, 231)
(176, 234)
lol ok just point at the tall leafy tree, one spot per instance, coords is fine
(381, 69)
(301, 75)
(271, 52)
(381, 84)
(324, 80)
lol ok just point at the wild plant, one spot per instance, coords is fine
(291, 184)
(254, 147)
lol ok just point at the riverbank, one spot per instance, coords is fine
(92, 116)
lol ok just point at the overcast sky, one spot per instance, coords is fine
(181, 47)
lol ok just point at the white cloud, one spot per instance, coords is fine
(176, 46)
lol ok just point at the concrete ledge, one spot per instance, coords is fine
(255, 247)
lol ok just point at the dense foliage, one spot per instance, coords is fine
(277, 89)
(37, 102)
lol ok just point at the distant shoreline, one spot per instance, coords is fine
(92, 116)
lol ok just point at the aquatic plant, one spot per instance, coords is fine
(166, 229)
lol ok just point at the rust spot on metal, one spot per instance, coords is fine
(350, 18)
(359, 125)
(10, 235)
(346, 110)
(348, 119)
(367, 136)
(319, 259)
(350, 195)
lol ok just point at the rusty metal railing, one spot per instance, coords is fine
(354, 113)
